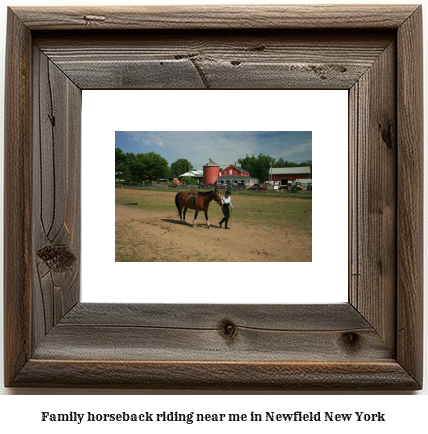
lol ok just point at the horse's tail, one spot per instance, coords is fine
(177, 203)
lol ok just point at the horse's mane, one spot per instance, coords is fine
(206, 192)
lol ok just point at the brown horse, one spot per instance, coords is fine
(197, 201)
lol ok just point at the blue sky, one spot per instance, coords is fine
(223, 147)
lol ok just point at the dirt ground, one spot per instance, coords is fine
(143, 235)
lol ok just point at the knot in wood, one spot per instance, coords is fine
(58, 259)
(386, 134)
(228, 330)
(351, 340)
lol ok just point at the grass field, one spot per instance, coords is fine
(270, 209)
(151, 230)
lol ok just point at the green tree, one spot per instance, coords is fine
(123, 164)
(188, 180)
(291, 164)
(258, 167)
(180, 166)
(279, 163)
(285, 163)
(150, 166)
(168, 173)
(306, 164)
(158, 166)
(120, 163)
(128, 175)
(249, 164)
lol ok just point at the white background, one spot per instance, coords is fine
(404, 412)
(324, 280)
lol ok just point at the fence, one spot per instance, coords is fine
(267, 192)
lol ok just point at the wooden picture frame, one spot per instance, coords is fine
(372, 342)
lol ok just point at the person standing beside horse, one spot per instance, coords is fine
(226, 207)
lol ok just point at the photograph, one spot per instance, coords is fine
(255, 195)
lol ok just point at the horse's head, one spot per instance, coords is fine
(217, 196)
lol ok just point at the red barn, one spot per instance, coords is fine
(289, 173)
(234, 170)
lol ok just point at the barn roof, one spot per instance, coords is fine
(289, 170)
(193, 173)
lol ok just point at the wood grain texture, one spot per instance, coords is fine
(209, 316)
(410, 196)
(217, 17)
(373, 163)
(216, 60)
(198, 332)
(17, 198)
(386, 375)
(372, 342)
(56, 194)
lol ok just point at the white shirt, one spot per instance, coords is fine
(226, 201)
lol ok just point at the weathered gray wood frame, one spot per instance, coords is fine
(372, 342)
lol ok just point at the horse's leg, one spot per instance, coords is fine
(184, 214)
(206, 218)
(196, 215)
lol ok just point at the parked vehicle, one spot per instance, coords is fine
(224, 186)
(296, 186)
(177, 183)
(257, 187)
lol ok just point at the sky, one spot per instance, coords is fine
(223, 147)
